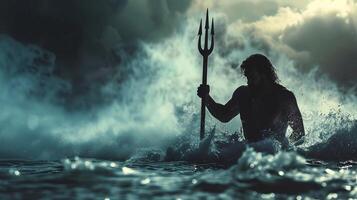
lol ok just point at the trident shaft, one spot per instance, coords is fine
(205, 52)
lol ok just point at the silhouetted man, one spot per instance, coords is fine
(266, 108)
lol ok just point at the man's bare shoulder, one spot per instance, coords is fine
(285, 94)
(241, 91)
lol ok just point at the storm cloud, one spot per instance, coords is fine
(89, 38)
(320, 34)
(330, 42)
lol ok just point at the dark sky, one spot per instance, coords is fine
(89, 36)
(83, 34)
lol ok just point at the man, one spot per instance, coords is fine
(266, 108)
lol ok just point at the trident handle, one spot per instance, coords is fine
(205, 52)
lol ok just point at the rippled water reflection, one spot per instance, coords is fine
(255, 176)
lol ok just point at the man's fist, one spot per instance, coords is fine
(203, 90)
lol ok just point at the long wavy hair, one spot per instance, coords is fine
(262, 65)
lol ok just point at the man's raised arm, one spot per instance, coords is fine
(223, 113)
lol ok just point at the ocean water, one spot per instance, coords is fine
(285, 175)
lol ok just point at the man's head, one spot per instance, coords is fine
(258, 70)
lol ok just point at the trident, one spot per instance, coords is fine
(205, 52)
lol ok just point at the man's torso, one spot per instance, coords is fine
(263, 114)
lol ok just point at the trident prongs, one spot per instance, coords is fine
(205, 51)
(199, 39)
(212, 38)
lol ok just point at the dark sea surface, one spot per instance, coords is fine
(285, 175)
